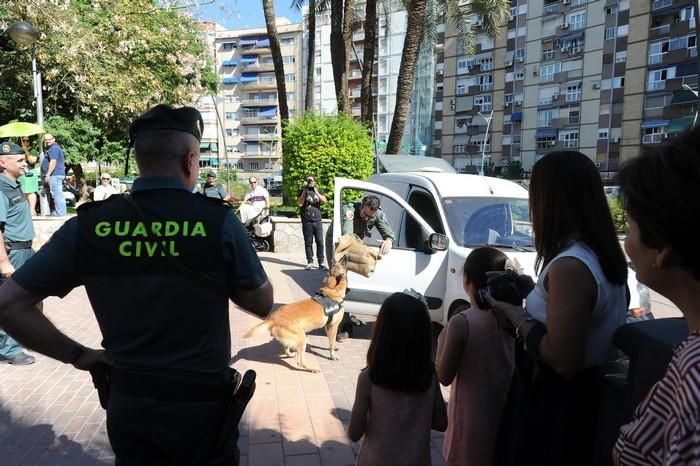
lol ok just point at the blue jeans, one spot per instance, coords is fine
(56, 187)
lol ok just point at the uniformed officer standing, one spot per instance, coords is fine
(167, 334)
(361, 217)
(16, 233)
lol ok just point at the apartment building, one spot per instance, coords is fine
(601, 77)
(392, 28)
(247, 102)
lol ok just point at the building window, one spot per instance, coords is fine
(547, 72)
(508, 98)
(288, 59)
(654, 135)
(231, 116)
(484, 102)
(545, 117)
(546, 142)
(291, 77)
(291, 95)
(573, 92)
(570, 139)
(577, 21)
(621, 57)
(655, 5)
(462, 87)
(485, 82)
(318, 71)
(657, 78)
(603, 133)
(463, 66)
(253, 166)
(486, 64)
(577, 3)
(574, 117)
(229, 46)
(609, 33)
(229, 131)
(287, 41)
(459, 148)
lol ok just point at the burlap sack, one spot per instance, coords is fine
(361, 259)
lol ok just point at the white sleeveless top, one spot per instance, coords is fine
(608, 313)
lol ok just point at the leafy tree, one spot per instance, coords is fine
(421, 26)
(618, 214)
(513, 171)
(105, 61)
(327, 146)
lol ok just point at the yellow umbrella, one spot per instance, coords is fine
(17, 129)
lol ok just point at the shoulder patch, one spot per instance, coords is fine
(349, 214)
(381, 216)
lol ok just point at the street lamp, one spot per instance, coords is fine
(24, 35)
(688, 88)
(486, 138)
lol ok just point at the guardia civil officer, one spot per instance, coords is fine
(167, 334)
(16, 235)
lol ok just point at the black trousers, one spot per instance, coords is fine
(145, 431)
(313, 231)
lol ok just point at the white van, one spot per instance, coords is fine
(469, 210)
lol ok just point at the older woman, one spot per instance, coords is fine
(661, 193)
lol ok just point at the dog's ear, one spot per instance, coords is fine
(330, 281)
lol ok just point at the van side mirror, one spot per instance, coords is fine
(437, 242)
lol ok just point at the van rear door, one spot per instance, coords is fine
(409, 264)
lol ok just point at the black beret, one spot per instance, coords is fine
(10, 148)
(166, 118)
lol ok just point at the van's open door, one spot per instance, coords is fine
(409, 264)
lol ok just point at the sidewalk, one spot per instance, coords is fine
(50, 415)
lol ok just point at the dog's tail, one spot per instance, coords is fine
(258, 329)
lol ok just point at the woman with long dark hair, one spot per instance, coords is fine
(565, 331)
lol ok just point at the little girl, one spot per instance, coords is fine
(398, 399)
(475, 355)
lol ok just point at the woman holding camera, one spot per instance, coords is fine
(565, 331)
(309, 200)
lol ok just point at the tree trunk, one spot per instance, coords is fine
(347, 47)
(411, 48)
(370, 44)
(269, 10)
(310, 71)
(339, 55)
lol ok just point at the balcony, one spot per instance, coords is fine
(548, 55)
(257, 51)
(257, 67)
(259, 102)
(258, 85)
(258, 120)
(259, 136)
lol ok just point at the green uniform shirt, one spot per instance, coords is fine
(15, 217)
(353, 222)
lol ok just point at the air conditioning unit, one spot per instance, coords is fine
(615, 140)
(552, 143)
(555, 96)
(509, 63)
(507, 104)
(566, 2)
(520, 59)
(564, 50)
(470, 67)
(534, 72)
(565, 26)
(596, 85)
(440, 72)
(518, 103)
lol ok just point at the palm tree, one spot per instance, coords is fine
(315, 6)
(339, 55)
(493, 13)
(370, 44)
(269, 10)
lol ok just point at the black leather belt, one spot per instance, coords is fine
(167, 388)
(15, 245)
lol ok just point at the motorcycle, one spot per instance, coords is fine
(257, 224)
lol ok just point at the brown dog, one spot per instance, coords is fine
(289, 323)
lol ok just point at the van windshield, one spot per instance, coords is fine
(476, 221)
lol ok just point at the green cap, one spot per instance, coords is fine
(166, 118)
(10, 148)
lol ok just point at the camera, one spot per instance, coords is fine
(506, 286)
(309, 183)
